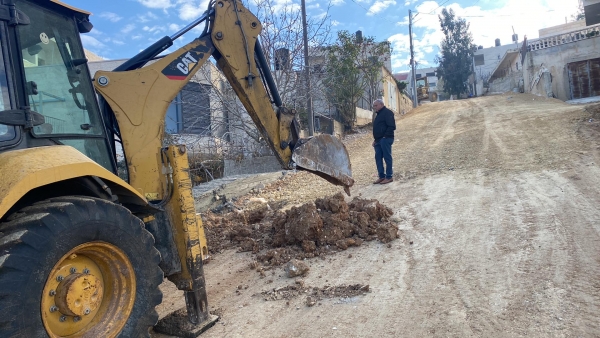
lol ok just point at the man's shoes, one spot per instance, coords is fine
(386, 181)
(379, 181)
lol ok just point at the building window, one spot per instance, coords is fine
(479, 60)
(173, 120)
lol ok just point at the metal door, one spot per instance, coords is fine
(584, 78)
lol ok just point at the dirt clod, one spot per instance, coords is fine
(296, 268)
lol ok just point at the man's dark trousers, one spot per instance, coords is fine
(383, 151)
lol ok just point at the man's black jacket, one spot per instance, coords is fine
(384, 124)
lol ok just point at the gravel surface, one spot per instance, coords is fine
(496, 200)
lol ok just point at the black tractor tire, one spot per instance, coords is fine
(35, 238)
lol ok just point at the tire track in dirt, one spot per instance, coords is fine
(534, 261)
(446, 130)
(463, 264)
(489, 132)
(583, 240)
(551, 260)
(501, 248)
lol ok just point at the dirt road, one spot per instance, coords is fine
(497, 204)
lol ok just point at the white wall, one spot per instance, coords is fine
(561, 29)
(556, 59)
(491, 58)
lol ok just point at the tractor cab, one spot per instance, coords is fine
(47, 95)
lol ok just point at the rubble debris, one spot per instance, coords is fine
(310, 230)
(295, 268)
(314, 294)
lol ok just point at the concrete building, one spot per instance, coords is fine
(492, 63)
(508, 74)
(565, 64)
(591, 9)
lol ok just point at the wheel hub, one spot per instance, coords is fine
(79, 295)
(90, 292)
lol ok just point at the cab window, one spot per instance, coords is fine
(58, 82)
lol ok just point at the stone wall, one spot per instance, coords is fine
(405, 104)
(363, 116)
(251, 165)
(508, 83)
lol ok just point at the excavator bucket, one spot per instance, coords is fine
(326, 156)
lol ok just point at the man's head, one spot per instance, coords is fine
(377, 105)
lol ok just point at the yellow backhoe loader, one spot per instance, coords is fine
(423, 91)
(82, 251)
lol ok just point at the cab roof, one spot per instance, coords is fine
(80, 13)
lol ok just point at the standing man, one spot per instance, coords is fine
(383, 133)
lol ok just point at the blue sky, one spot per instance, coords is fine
(124, 27)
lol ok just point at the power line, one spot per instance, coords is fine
(359, 5)
(438, 7)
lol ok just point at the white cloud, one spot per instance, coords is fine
(113, 17)
(313, 6)
(191, 9)
(527, 18)
(285, 5)
(157, 4)
(409, 2)
(379, 6)
(128, 28)
(96, 32)
(91, 43)
(335, 23)
(147, 17)
(154, 29)
(174, 27)
(320, 16)
(337, 2)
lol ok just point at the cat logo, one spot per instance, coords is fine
(184, 65)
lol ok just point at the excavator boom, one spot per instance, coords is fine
(241, 59)
(137, 95)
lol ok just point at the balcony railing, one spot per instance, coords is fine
(588, 32)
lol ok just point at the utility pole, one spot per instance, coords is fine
(474, 77)
(413, 78)
(311, 118)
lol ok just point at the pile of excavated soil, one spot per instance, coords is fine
(310, 230)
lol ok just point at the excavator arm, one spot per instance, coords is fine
(137, 96)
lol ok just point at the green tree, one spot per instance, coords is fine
(580, 15)
(457, 51)
(353, 69)
(401, 85)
